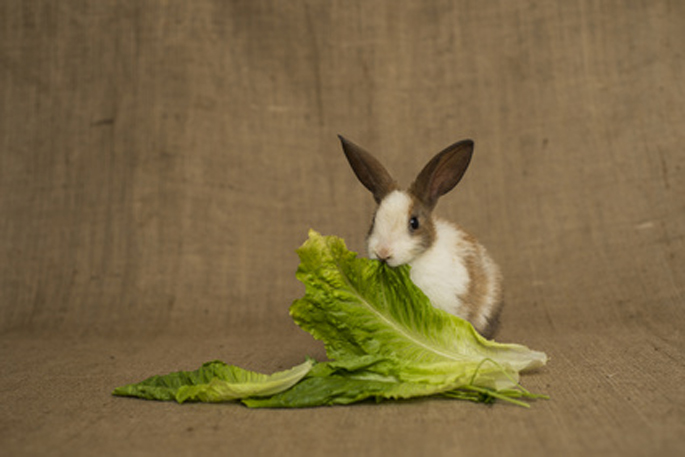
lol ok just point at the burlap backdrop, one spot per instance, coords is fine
(161, 161)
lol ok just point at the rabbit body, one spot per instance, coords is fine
(448, 264)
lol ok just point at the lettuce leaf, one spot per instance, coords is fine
(348, 381)
(382, 336)
(215, 382)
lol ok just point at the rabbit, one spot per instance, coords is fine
(449, 265)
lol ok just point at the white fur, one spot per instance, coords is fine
(440, 271)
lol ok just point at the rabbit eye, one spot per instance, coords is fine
(414, 223)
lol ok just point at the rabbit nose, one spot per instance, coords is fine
(384, 254)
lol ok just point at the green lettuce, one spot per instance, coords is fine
(382, 336)
(215, 382)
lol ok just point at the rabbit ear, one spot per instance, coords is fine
(370, 172)
(442, 173)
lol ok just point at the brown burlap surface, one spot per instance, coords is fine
(161, 161)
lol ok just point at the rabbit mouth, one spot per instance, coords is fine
(391, 262)
(387, 256)
(384, 255)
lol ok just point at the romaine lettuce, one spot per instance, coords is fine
(215, 382)
(383, 338)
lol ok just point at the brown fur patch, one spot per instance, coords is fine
(426, 232)
(479, 296)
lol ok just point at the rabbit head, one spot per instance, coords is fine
(403, 226)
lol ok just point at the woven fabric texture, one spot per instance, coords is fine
(161, 161)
